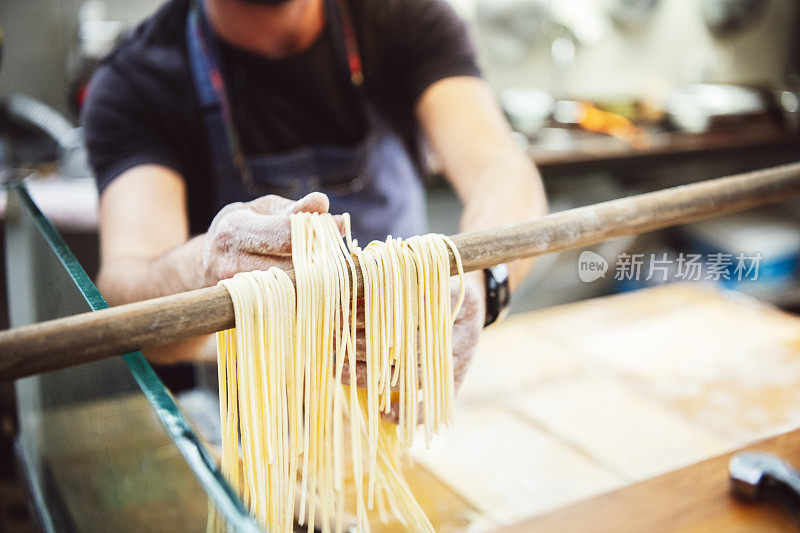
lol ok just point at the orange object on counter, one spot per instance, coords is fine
(594, 119)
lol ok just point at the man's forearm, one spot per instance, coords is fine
(496, 182)
(124, 280)
(507, 190)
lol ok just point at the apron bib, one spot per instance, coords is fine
(374, 180)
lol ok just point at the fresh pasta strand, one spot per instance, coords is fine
(286, 414)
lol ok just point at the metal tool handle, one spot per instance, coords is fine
(766, 477)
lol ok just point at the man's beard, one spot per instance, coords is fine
(266, 2)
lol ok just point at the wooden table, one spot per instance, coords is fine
(568, 403)
(560, 406)
(114, 469)
(694, 498)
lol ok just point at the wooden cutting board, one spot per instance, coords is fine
(559, 407)
(692, 499)
(567, 403)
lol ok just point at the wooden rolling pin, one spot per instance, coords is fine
(91, 336)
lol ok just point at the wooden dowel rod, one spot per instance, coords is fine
(91, 336)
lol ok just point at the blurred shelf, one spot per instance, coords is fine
(583, 150)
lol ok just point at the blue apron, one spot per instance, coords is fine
(374, 180)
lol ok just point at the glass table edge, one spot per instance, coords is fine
(186, 440)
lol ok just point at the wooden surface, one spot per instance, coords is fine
(571, 402)
(695, 498)
(559, 407)
(116, 470)
(91, 336)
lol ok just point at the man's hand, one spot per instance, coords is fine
(492, 175)
(254, 235)
(147, 252)
(468, 325)
(466, 333)
(146, 249)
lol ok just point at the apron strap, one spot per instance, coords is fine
(354, 63)
(210, 86)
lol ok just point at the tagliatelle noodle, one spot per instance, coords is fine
(283, 405)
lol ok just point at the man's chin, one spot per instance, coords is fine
(266, 2)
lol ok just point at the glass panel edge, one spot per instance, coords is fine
(176, 425)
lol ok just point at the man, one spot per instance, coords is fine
(216, 120)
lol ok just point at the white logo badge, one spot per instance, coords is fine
(591, 266)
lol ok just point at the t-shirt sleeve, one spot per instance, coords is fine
(123, 127)
(428, 42)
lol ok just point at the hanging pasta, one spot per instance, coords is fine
(286, 413)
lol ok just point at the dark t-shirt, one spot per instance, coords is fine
(142, 108)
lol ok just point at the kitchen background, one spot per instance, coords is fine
(622, 48)
(681, 90)
(609, 97)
